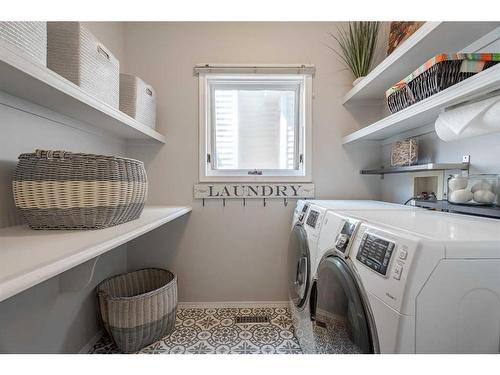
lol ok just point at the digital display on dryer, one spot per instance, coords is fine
(375, 252)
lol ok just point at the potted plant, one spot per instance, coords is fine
(357, 47)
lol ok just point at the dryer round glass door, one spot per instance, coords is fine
(341, 323)
(298, 266)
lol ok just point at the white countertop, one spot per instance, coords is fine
(29, 257)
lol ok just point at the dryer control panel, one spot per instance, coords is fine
(375, 252)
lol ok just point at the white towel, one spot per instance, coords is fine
(469, 120)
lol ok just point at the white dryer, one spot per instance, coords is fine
(302, 257)
(414, 281)
(301, 260)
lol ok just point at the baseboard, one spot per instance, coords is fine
(240, 304)
(86, 348)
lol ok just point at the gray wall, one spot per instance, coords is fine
(235, 253)
(41, 319)
(484, 151)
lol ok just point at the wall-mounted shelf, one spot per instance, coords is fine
(418, 168)
(430, 39)
(38, 84)
(441, 205)
(427, 111)
(29, 257)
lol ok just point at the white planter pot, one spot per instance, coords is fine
(357, 80)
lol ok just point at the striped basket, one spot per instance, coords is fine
(138, 99)
(437, 74)
(64, 190)
(28, 38)
(138, 308)
(74, 53)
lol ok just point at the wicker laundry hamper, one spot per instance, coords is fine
(138, 99)
(28, 38)
(74, 53)
(138, 308)
(64, 190)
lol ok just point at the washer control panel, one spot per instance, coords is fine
(312, 218)
(376, 252)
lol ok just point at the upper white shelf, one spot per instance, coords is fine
(40, 85)
(29, 257)
(427, 110)
(429, 40)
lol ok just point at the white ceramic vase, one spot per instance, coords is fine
(357, 80)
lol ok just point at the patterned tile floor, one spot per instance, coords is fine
(215, 331)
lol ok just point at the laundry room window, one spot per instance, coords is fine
(255, 126)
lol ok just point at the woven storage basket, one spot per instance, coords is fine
(404, 152)
(74, 53)
(138, 99)
(64, 190)
(28, 38)
(437, 74)
(138, 308)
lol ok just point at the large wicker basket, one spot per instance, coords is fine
(138, 99)
(74, 53)
(27, 38)
(138, 308)
(64, 190)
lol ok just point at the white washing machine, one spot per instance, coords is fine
(414, 281)
(306, 226)
(302, 256)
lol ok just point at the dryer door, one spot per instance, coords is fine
(337, 307)
(299, 264)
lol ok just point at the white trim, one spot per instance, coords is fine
(239, 304)
(304, 171)
(86, 348)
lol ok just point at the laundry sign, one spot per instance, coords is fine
(248, 191)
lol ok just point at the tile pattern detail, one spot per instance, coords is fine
(215, 331)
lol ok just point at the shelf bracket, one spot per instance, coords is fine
(79, 277)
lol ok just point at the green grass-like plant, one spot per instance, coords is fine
(357, 46)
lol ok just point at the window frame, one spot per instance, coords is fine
(207, 83)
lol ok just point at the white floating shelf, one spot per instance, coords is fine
(429, 40)
(38, 84)
(29, 257)
(427, 111)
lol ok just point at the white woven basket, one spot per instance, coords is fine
(28, 38)
(138, 99)
(74, 53)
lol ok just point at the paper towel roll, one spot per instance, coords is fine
(469, 120)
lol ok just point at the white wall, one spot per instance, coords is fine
(41, 319)
(235, 253)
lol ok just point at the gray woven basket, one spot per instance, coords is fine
(74, 53)
(64, 190)
(28, 38)
(138, 308)
(138, 99)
